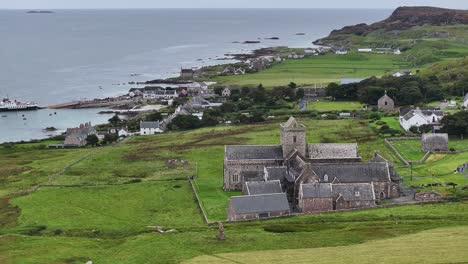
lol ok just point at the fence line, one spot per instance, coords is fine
(200, 206)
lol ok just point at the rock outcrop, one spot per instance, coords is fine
(404, 18)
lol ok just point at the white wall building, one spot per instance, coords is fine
(417, 117)
(465, 101)
(150, 128)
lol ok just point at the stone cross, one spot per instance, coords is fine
(221, 235)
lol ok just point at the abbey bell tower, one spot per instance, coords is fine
(293, 136)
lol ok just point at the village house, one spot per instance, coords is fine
(402, 73)
(365, 50)
(226, 92)
(341, 52)
(386, 103)
(150, 128)
(435, 142)
(187, 73)
(76, 137)
(294, 163)
(397, 52)
(465, 101)
(416, 117)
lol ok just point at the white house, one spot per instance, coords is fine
(397, 52)
(452, 103)
(123, 132)
(226, 92)
(465, 101)
(368, 50)
(341, 52)
(416, 117)
(150, 128)
(402, 73)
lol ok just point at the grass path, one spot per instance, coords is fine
(446, 245)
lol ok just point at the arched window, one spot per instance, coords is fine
(325, 178)
(235, 178)
(386, 103)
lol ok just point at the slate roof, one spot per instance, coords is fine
(254, 152)
(252, 175)
(278, 173)
(316, 190)
(354, 191)
(256, 188)
(145, 125)
(408, 112)
(259, 203)
(333, 151)
(353, 172)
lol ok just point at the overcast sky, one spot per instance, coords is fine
(62, 4)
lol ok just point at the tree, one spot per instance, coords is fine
(300, 93)
(456, 124)
(115, 120)
(185, 122)
(228, 107)
(218, 90)
(259, 94)
(92, 140)
(154, 116)
(245, 91)
(109, 138)
(292, 85)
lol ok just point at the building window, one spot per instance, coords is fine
(235, 178)
(357, 194)
(386, 103)
(294, 139)
(325, 178)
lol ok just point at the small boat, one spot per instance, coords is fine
(25, 118)
(4, 115)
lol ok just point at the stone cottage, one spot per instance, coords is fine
(435, 142)
(386, 103)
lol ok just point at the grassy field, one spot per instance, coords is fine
(440, 246)
(320, 70)
(105, 207)
(334, 106)
(409, 149)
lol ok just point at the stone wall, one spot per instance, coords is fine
(314, 205)
(341, 204)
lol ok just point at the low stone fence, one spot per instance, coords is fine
(200, 206)
(395, 151)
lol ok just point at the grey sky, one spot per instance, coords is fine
(59, 4)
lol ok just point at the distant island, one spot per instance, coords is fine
(40, 12)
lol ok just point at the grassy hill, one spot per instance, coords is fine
(440, 246)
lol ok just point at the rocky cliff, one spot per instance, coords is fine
(403, 18)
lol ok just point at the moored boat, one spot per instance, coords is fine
(9, 105)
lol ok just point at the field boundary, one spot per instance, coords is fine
(55, 175)
(395, 151)
(200, 206)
